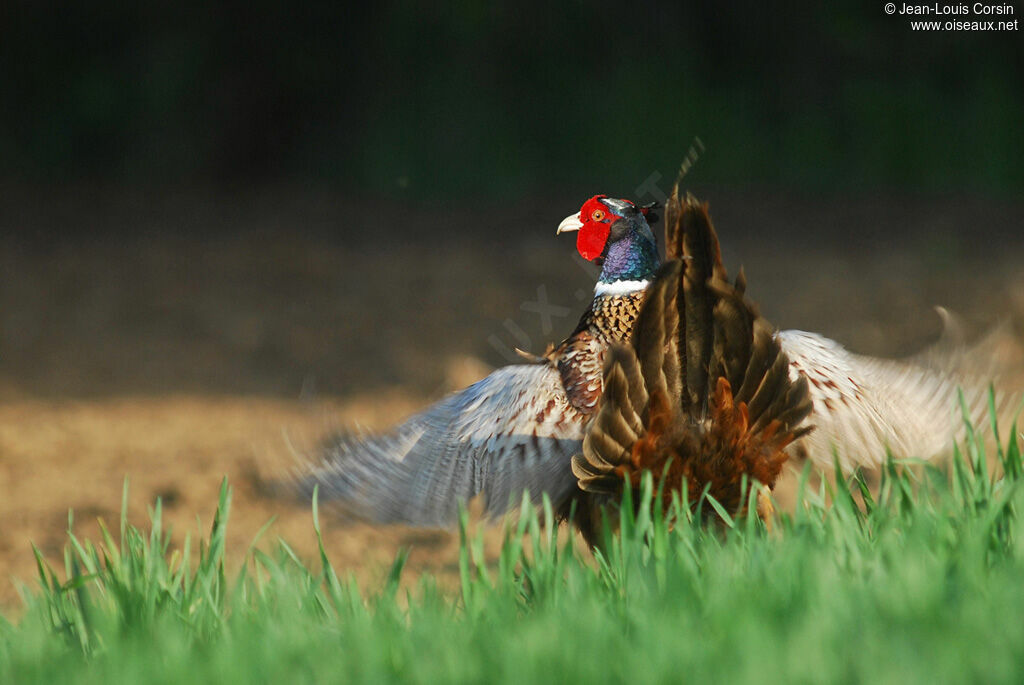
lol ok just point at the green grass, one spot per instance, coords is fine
(921, 581)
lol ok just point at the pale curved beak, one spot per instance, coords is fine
(570, 223)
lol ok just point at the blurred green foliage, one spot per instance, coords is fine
(490, 99)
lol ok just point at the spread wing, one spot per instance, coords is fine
(865, 406)
(513, 431)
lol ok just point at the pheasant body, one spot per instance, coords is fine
(671, 368)
(702, 395)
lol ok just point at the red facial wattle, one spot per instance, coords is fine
(597, 219)
(591, 239)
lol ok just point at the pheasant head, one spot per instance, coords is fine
(615, 234)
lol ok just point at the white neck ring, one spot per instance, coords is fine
(620, 287)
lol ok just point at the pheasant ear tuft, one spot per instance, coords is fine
(650, 212)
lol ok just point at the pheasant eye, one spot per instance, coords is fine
(597, 215)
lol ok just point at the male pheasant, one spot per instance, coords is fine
(702, 395)
(550, 426)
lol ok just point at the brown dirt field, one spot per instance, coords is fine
(175, 338)
(71, 455)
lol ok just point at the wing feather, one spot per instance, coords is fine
(864, 407)
(513, 431)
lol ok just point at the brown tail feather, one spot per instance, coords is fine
(653, 334)
(702, 259)
(704, 387)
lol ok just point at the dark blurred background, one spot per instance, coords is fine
(268, 197)
(468, 101)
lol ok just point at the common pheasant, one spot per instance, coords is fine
(702, 394)
(541, 426)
